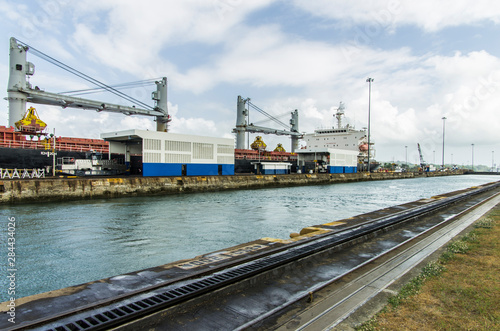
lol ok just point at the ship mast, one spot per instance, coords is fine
(338, 115)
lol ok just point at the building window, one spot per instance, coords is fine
(225, 149)
(203, 151)
(152, 144)
(177, 146)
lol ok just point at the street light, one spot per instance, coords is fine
(406, 156)
(444, 119)
(492, 161)
(472, 157)
(369, 81)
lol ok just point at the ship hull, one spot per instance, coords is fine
(20, 158)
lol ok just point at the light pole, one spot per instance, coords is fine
(406, 156)
(434, 157)
(472, 157)
(492, 161)
(369, 81)
(442, 164)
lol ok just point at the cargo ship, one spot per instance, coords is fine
(339, 138)
(21, 151)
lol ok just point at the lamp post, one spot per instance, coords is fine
(54, 155)
(369, 81)
(492, 161)
(434, 157)
(442, 163)
(472, 157)
(406, 156)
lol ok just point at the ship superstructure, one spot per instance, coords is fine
(343, 137)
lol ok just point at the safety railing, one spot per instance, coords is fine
(60, 146)
(21, 173)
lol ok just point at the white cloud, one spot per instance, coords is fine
(12, 12)
(388, 14)
(134, 122)
(135, 33)
(267, 57)
(195, 126)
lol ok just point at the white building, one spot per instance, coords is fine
(170, 154)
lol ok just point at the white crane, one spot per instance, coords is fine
(20, 91)
(242, 126)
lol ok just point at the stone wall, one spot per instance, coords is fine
(57, 189)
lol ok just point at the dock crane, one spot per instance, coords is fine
(242, 125)
(423, 165)
(20, 91)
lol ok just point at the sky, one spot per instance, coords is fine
(428, 59)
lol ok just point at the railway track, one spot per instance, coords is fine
(268, 291)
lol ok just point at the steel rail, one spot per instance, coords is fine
(104, 315)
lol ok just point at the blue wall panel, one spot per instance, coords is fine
(175, 169)
(274, 171)
(336, 170)
(202, 169)
(161, 169)
(351, 170)
(228, 169)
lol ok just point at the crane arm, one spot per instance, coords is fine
(254, 128)
(66, 101)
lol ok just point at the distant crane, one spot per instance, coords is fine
(423, 165)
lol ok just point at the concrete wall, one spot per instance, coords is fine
(39, 190)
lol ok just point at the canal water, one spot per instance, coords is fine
(69, 243)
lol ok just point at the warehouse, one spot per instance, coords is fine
(153, 153)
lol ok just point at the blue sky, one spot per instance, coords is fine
(429, 59)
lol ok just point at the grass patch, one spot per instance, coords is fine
(460, 291)
(414, 286)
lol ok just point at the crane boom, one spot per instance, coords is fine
(65, 101)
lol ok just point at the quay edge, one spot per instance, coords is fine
(58, 189)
